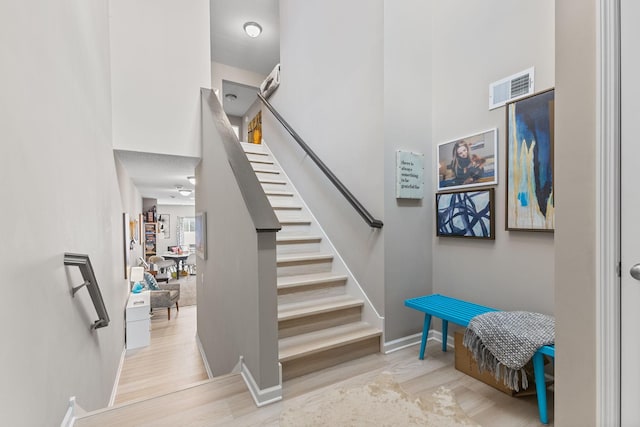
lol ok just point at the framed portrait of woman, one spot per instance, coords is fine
(470, 161)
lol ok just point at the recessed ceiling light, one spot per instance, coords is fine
(253, 29)
(192, 180)
(231, 97)
(185, 192)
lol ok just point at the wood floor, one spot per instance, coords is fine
(172, 360)
(226, 401)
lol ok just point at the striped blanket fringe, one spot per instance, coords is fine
(486, 361)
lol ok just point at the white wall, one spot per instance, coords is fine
(331, 93)
(55, 127)
(476, 43)
(174, 211)
(131, 204)
(220, 72)
(408, 228)
(160, 59)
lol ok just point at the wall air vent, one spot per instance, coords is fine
(510, 88)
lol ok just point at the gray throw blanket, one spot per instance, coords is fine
(502, 342)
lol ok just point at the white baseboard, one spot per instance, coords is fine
(70, 416)
(415, 339)
(265, 396)
(114, 390)
(204, 357)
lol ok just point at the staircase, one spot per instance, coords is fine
(324, 317)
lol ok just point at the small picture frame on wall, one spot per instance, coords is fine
(470, 161)
(530, 198)
(201, 235)
(468, 214)
(164, 226)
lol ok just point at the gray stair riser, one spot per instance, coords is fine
(315, 362)
(305, 293)
(316, 322)
(282, 200)
(294, 228)
(276, 187)
(289, 214)
(292, 248)
(304, 268)
(256, 159)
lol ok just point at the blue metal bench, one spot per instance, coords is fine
(461, 312)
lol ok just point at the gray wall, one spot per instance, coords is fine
(575, 254)
(230, 321)
(331, 93)
(434, 88)
(64, 197)
(408, 228)
(478, 43)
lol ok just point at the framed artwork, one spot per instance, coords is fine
(201, 234)
(530, 198)
(126, 241)
(468, 214)
(470, 161)
(164, 226)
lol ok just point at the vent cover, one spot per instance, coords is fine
(510, 88)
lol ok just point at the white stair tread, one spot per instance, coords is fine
(253, 149)
(296, 310)
(309, 279)
(261, 161)
(270, 171)
(271, 181)
(313, 342)
(286, 207)
(295, 221)
(318, 257)
(297, 238)
(278, 193)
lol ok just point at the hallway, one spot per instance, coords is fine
(171, 362)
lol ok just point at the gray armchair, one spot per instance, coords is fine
(168, 295)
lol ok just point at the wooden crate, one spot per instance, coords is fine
(464, 362)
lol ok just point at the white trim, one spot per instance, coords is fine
(415, 339)
(114, 390)
(607, 169)
(70, 416)
(401, 343)
(265, 396)
(204, 357)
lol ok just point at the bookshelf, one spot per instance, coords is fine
(150, 239)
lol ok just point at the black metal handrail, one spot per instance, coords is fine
(364, 213)
(82, 261)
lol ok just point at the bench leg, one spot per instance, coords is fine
(541, 387)
(445, 329)
(425, 334)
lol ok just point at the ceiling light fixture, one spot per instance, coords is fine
(184, 192)
(192, 180)
(253, 29)
(231, 97)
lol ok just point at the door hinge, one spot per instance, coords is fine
(619, 269)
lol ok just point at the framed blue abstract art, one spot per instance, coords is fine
(530, 198)
(466, 214)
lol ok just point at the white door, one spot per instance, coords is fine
(630, 200)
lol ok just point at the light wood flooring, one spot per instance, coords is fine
(172, 360)
(226, 401)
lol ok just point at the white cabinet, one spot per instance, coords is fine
(138, 320)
